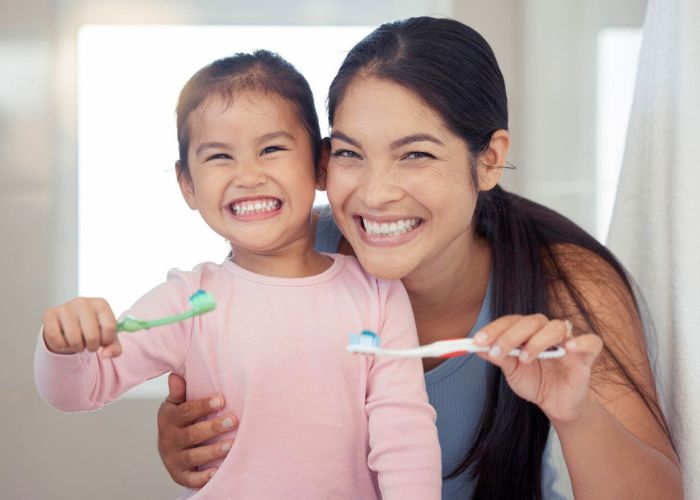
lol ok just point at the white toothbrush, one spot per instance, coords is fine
(368, 343)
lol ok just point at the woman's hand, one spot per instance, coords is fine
(560, 387)
(180, 434)
(80, 324)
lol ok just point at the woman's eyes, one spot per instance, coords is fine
(344, 153)
(417, 155)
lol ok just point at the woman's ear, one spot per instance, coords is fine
(186, 186)
(322, 171)
(493, 160)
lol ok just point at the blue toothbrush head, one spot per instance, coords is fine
(366, 338)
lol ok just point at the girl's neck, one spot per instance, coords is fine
(296, 260)
(447, 298)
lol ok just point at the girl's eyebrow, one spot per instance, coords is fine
(276, 135)
(210, 145)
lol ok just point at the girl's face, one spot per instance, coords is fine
(251, 173)
(399, 181)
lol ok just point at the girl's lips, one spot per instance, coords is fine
(387, 231)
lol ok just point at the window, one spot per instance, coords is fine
(133, 225)
(618, 54)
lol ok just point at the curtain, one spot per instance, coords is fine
(655, 229)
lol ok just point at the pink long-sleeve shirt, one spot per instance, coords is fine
(315, 422)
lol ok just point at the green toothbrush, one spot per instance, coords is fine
(201, 301)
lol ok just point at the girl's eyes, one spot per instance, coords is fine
(218, 156)
(272, 149)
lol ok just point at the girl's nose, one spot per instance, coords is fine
(249, 175)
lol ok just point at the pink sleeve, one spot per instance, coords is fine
(404, 447)
(85, 381)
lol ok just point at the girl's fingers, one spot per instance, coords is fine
(493, 330)
(90, 329)
(70, 326)
(52, 333)
(553, 332)
(108, 330)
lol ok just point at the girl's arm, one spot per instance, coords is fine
(404, 447)
(76, 377)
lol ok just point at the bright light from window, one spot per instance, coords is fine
(618, 54)
(133, 224)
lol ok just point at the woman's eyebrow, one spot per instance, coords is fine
(415, 138)
(341, 136)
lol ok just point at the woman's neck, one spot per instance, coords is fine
(446, 298)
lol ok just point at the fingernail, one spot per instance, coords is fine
(227, 423)
(225, 447)
(569, 327)
(572, 345)
(215, 402)
(495, 351)
(481, 337)
(524, 357)
(211, 474)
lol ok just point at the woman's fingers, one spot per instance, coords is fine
(552, 333)
(194, 478)
(179, 434)
(585, 347)
(199, 432)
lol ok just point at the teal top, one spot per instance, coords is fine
(456, 389)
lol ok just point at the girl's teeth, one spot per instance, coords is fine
(389, 228)
(259, 206)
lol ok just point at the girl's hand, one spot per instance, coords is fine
(80, 324)
(180, 434)
(560, 387)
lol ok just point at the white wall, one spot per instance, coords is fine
(545, 49)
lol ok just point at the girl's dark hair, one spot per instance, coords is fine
(453, 69)
(261, 71)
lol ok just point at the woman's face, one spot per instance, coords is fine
(399, 181)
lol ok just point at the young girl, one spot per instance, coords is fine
(313, 420)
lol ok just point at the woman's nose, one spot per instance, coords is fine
(380, 186)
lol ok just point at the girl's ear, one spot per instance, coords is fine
(186, 186)
(322, 170)
(493, 160)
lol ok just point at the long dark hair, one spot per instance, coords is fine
(455, 71)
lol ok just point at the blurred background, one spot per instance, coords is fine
(88, 202)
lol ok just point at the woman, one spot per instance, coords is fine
(419, 137)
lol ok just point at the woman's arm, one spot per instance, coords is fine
(181, 434)
(613, 438)
(617, 447)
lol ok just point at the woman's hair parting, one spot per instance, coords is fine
(453, 69)
(260, 71)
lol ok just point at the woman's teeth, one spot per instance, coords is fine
(255, 207)
(389, 228)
